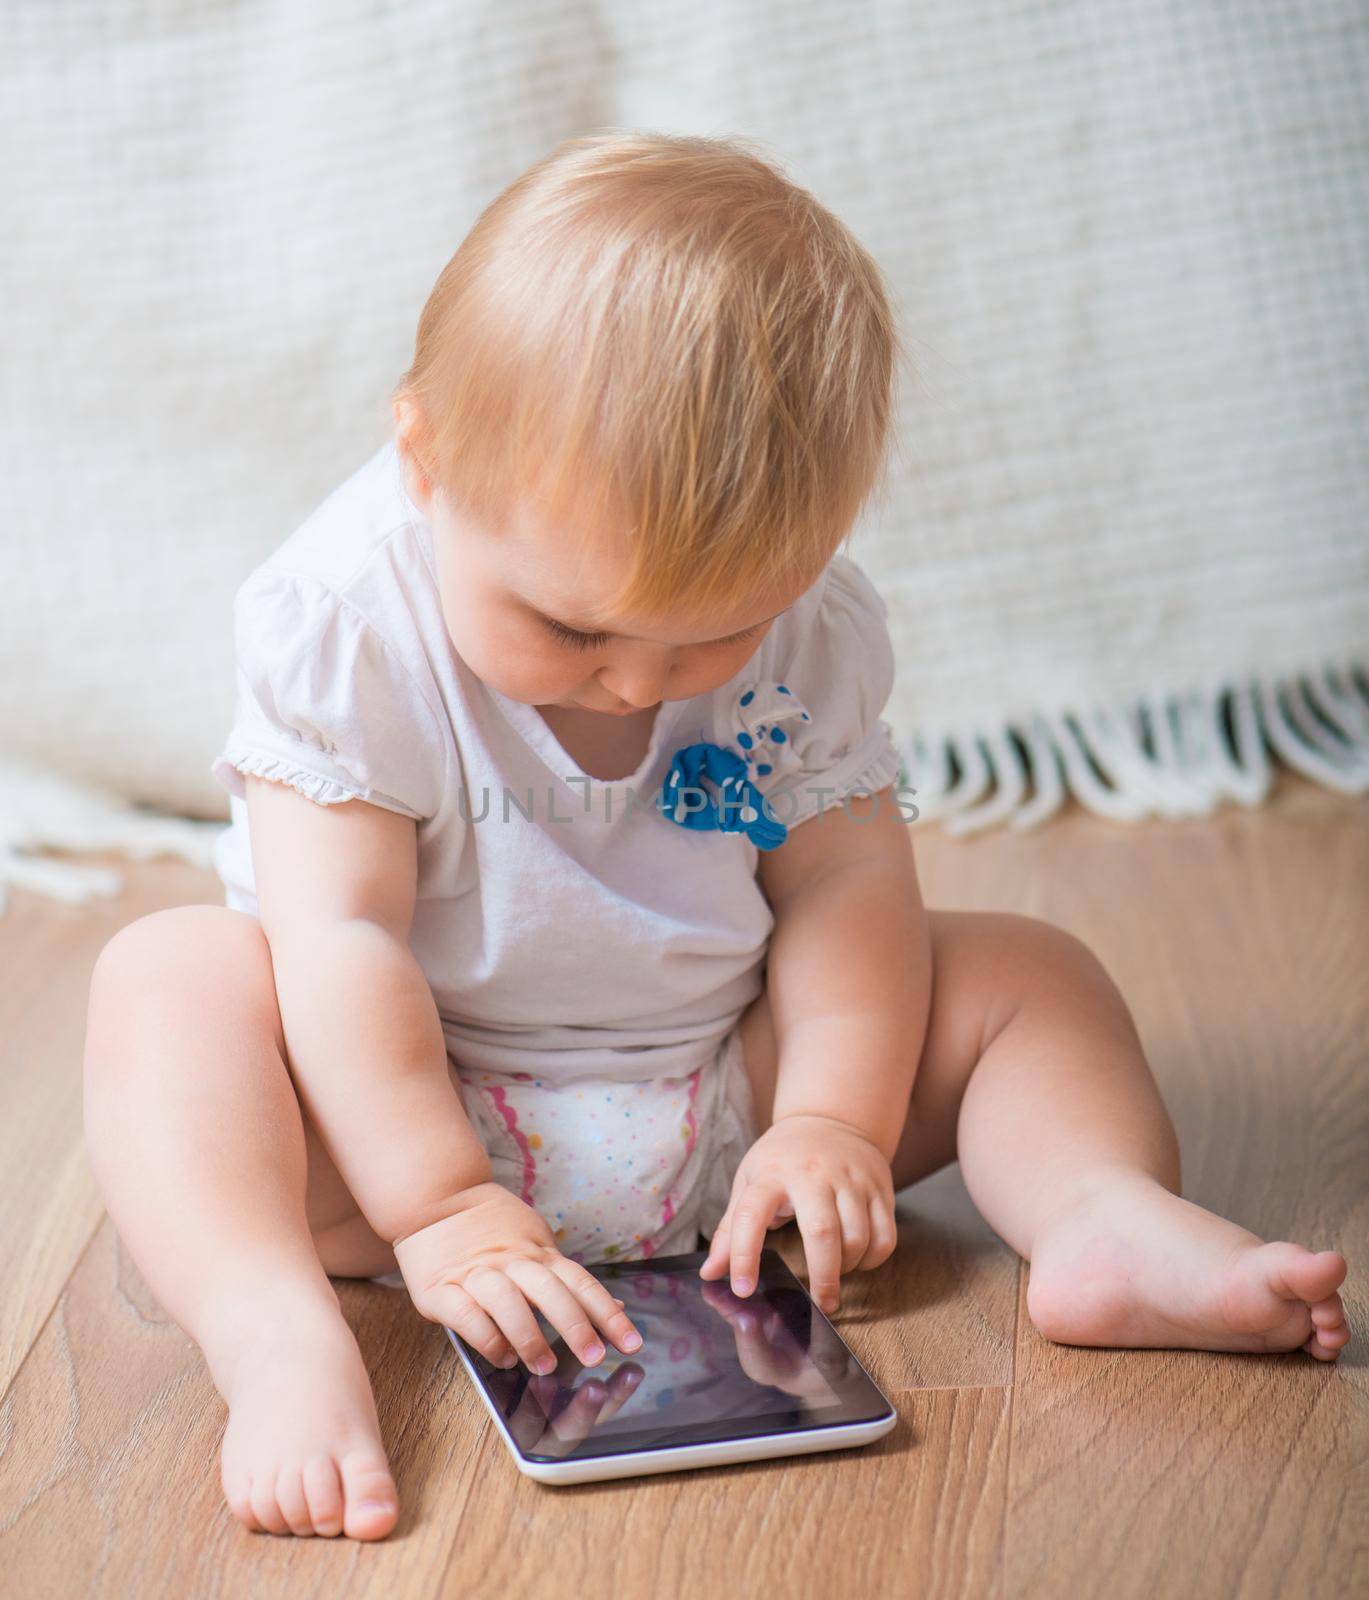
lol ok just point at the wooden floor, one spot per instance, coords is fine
(1019, 1468)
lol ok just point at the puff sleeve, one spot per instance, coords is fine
(814, 735)
(325, 704)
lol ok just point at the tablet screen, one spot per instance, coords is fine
(712, 1366)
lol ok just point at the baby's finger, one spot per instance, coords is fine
(715, 1263)
(820, 1226)
(883, 1234)
(750, 1220)
(566, 1313)
(606, 1309)
(854, 1211)
(458, 1311)
(501, 1298)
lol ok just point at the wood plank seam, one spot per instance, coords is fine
(39, 1331)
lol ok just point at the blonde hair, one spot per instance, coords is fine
(663, 334)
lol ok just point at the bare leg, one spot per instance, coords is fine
(198, 1144)
(1033, 1075)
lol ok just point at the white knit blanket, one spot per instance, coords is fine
(1126, 543)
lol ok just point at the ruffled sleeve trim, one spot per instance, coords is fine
(241, 761)
(867, 770)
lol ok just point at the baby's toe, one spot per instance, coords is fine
(237, 1490)
(1328, 1313)
(1318, 1347)
(1329, 1332)
(1335, 1338)
(323, 1490)
(1309, 1275)
(294, 1507)
(372, 1506)
(262, 1495)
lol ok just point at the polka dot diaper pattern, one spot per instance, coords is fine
(619, 1170)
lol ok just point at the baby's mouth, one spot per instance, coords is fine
(621, 710)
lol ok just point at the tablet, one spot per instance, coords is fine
(718, 1379)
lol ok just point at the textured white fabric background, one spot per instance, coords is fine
(1127, 244)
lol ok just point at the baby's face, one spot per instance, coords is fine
(526, 612)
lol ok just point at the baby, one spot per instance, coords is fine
(571, 910)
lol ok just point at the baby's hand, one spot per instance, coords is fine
(481, 1270)
(833, 1180)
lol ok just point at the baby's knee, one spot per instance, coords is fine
(183, 957)
(1050, 951)
(1043, 966)
(177, 938)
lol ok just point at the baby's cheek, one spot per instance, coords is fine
(702, 677)
(527, 672)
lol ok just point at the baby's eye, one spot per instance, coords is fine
(573, 638)
(594, 641)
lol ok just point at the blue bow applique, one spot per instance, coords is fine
(739, 807)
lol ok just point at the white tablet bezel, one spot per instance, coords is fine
(759, 1446)
(678, 1458)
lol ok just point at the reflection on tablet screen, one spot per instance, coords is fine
(707, 1355)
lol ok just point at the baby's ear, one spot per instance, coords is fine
(408, 423)
(408, 429)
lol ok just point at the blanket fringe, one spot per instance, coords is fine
(1173, 755)
(1170, 755)
(43, 810)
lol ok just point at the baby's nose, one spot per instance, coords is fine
(640, 688)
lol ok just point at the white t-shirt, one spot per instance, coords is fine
(567, 925)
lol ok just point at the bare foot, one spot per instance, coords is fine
(302, 1451)
(1134, 1265)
